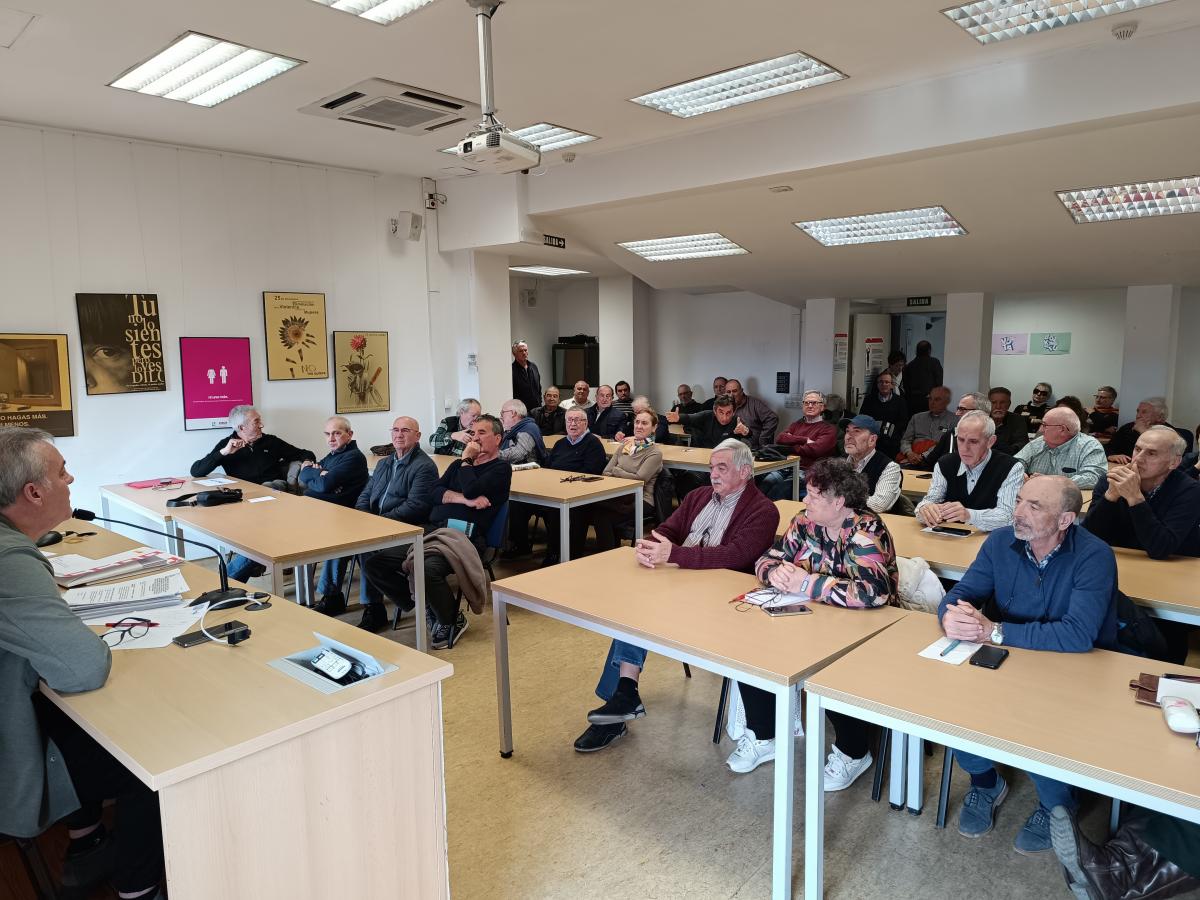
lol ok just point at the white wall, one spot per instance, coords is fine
(1186, 413)
(1096, 320)
(208, 232)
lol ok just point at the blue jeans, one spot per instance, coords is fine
(777, 485)
(243, 569)
(618, 653)
(1050, 793)
(333, 573)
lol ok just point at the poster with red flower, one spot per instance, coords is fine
(360, 377)
(294, 327)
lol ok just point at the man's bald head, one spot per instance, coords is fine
(1059, 425)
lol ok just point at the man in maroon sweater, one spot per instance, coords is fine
(810, 438)
(725, 525)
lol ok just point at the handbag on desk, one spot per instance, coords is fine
(208, 498)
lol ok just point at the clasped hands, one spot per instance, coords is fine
(964, 622)
(1124, 481)
(937, 513)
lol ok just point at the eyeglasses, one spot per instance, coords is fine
(1039, 393)
(964, 409)
(168, 486)
(130, 627)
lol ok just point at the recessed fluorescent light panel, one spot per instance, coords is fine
(546, 137)
(998, 20)
(902, 225)
(686, 246)
(745, 84)
(385, 12)
(1133, 201)
(203, 70)
(550, 271)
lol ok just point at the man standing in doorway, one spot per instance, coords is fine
(526, 379)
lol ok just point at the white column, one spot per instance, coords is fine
(968, 362)
(1151, 343)
(824, 317)
(616, 330)
(490, 327)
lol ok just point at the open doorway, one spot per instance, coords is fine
(909, 329)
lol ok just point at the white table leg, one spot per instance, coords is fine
(418, 548)
(503, 697)
(638, 512)
(796, 479)
(814, 801)
(174, 544)
(915, 782)
(304, 584)
(564, 533)
(785, 780)
(277, 580)
(105, 506)
(896, 771)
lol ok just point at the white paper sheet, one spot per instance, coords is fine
(169, 624)
(1169, 687)
(259, 499)
(148, 587)
(956, 657)
(213, 482)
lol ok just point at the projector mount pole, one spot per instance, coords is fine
(484, 10)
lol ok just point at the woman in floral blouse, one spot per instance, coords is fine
(836, 552)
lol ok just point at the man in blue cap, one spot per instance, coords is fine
(884, 477)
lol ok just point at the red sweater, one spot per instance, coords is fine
(751, 531)
(809, 442)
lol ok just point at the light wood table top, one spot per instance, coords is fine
(154, 502)
(697, 458)
(689, 610)
(788, 510)
(1073, 711)
(169, 714)
(1170, 587)
(915, 484)
(548, 485)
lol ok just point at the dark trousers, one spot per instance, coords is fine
(606, 517)
(98, 777)
(853, 735)
(384, 572)
(519, 515)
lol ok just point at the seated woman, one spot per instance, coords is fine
(639, 459)
(837, 552)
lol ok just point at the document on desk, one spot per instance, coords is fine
(769, 598)
(169, 624)
(1173, 687)
(956, 657)
(119, 598)
(214, 482)
(259, 499)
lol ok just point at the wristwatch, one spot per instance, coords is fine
(998, 633)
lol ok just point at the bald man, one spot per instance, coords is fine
(1062, 450)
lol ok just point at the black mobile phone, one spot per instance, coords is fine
(989, 657)
(926, 475)
(592, 478)
(792, 609)
(946, 529)
(192, 638)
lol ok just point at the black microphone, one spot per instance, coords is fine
(223, 596)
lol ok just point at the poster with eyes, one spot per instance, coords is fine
(35, 383)
(122, 343)
(297, 344)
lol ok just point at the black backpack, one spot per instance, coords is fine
(1137, 632)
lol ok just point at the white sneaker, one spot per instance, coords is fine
(750, 753)
(841, 771)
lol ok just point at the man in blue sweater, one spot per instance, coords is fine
(1043, 583)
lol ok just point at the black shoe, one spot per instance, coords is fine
(623, 707)
(597, 737)
(90, 865)
(457, 629)
(331, 604)
(440, 638)
(517, 552)
(374, 618)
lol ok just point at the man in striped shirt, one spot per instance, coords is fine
(1061, 450)
(978, 485)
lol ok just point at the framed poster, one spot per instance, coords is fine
(35, 383)
(295, 336)
(216, 378)
(362, 377)
(122, 343)
(1050, 343)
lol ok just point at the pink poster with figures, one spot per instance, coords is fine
(216, 378)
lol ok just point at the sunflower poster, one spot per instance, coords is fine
(360, 362)
(295, 336)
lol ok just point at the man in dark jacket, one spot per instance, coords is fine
(887, 407)
(549, 416)
(728, 524)
(921, 376)
(605, 419)
(401, 488)
(710, 427)
(250, 454)
(526, 379)
(522, 442)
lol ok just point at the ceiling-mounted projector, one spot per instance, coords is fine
(498, 152)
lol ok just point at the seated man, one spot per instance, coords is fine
(925, 429)
(754, 413)
(624, 401)
(251, 455)
(711, 427)
(454, 431)
(580, 451)
(725, 525)
(1042, 584)
(472, 490)
(338, 478)
(887, 407)
(684, 402)
(52, 769)
(884, 478)
(1150, 412)
(718, 389)
(810, 437)
(662, 433)
(580, 398)
(977, 485)
(1103, 416)
(604, 419)
(1034, 411)
(549, 416)
(1149, 504)
(945, 444)
(1011, 431)
(401, 488)
(1061, 450)
(835, 552)
(522, 441)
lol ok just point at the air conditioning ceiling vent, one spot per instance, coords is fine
(396, 107)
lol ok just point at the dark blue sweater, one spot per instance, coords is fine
(345, 474)
(1071, 607)
(1167, 524)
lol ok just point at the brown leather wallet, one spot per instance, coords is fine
(1145, 686)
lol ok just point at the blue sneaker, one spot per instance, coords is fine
(978, 814)
(1035, 836)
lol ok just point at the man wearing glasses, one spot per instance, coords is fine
(1034, 412)
(728, 524)
(810, 438)
(1061, 450)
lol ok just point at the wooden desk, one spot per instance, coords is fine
(685, 614)
(915, 484)
(284, 532)
(696, 459)
(250, 765)
(1069, 716)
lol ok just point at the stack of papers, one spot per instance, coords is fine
(72, 570)
(769, 598)
(114, 601)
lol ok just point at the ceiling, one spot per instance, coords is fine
(575, 63)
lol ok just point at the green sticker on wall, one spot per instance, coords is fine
(1050, 343)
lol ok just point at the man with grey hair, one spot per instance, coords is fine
(1149, 504)
(251, 454)
(580, 397)
(454, 432)
(976, 485)
(945, 444)
(662, 432)
(810, 437)
(1062, 450)
(53, 769)
(1150, 412)
(926, 428)
(526, 379)
(522, 441)
(727, 524)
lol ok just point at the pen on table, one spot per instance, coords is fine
(950, 647)
(127, 625)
